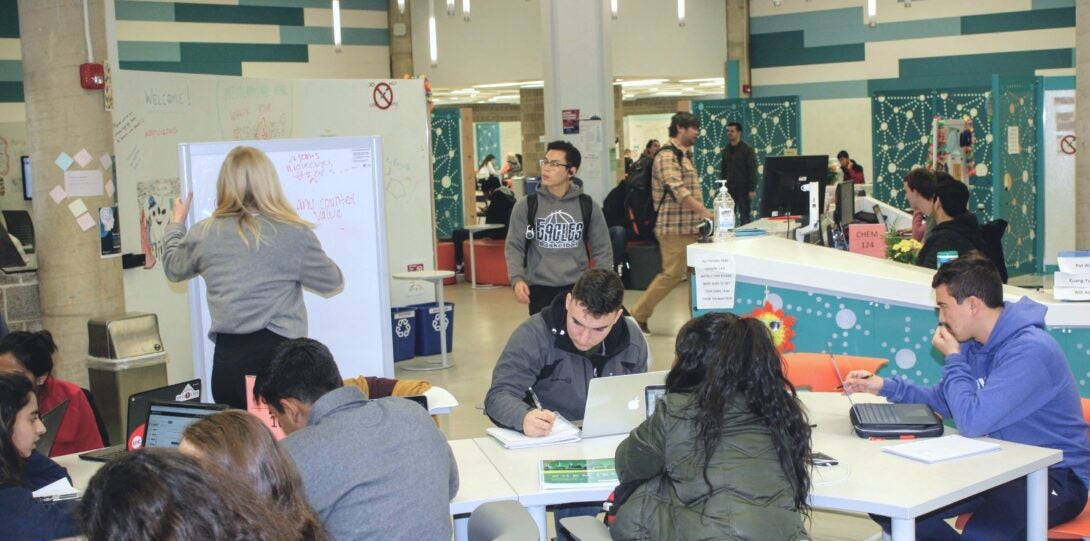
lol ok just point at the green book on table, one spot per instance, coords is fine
(578, 473)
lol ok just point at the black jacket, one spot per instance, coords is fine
(738, 166)
(613, 206)
(961, 235)
(500, 203)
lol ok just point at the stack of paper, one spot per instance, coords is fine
(61, 489)
(933, 450)
(1072, 281)
(578, 473)
(563, 432)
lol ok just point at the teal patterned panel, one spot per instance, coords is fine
(446, 150)
(1016, 174)
(853, 326)
(901, 131)
(770, 125)
(488, 142)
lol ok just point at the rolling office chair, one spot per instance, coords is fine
(1076, 528)
(815, 370)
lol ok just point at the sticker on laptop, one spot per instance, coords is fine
(187, 394)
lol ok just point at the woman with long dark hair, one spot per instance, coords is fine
(237, 441)
(735, 444)
(23, 471)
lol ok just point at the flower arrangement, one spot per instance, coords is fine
(901, 249)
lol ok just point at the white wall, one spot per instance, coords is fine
(638, 129)
(1059, 177)
(503, 41)
(829, 126)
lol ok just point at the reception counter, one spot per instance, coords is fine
(847, 303)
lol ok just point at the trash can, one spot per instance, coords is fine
(404, 327)
(530, 184)
(125, 356)
(428, 325)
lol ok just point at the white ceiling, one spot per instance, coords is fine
(508, 92)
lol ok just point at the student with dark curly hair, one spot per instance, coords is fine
(22, 470)
(724, 457)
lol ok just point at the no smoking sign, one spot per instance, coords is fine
(383, 96)
(1067, 144)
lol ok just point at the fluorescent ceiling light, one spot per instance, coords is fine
(337, 25)
(720, 83)
(465, 10)
(613, 8)
(681, 12)
(872, 12)
(433, 47)
(469, 91)
(535, 84)
(641, 82)
(669, 93)
(504, 97)
(401, 6)
(450, 7)
(505, 85)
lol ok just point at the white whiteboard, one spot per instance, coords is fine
(333, 183)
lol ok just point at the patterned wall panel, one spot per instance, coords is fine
(1016, 112)
(770, 125)
(446, 150)
(488, 142)
(901, 127)
(853, 326)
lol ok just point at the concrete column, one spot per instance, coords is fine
(1082, 118)
(579, 75)
(533, 129)
(469, 166)
(76, 283)
(737, 66)
(401, 40)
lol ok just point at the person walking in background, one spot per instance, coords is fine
(676, 184)
(553, 230)
(853, 172)
(738, 166)
(256, 255)
(501, 200)
(512, 167)
(487, 168)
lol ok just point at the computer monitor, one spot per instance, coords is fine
(28, 186)
(845, 203)
(783, 180)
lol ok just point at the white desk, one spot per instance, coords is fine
(436, 277)
(478, 481)
(520, 467)
(473, 249)
(866, 481)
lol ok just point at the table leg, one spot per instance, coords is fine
(472, 260)
(461, 527)
(904, 529)
(1037, 505)
(538, 514)
(443, 324)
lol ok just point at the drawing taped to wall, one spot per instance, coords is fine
(156, 199)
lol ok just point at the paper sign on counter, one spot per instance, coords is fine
(1074, 262)
(715, 281)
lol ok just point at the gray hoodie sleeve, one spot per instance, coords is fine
(319, 273)
(600, 245)
(515, 248)
(179, 253)
(521, 360)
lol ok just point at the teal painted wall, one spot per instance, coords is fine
(488, 142)
(446, 146)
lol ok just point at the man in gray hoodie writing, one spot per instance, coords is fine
(551, 231)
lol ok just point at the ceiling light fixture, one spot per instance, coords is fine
(872, 13)
(465, 10)
(613, 8)
(337, 25)
(450, 7)
(503, 85)
(681, 12)
(641, 82)
(433, 47)
(401, 6)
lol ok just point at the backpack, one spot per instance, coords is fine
(586, 204)
(639, 201)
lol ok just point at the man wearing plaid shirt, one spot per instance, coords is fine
(680, 215)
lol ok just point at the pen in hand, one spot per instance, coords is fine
(841, 387)
(533, 395)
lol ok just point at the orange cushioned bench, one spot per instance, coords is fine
(444, 260)
(491, 265)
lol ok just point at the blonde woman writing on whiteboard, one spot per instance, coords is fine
(256, 255)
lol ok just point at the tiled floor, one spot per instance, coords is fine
(485, 318)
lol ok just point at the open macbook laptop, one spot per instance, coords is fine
(167, 420)
(891, 420)
(617, 404)
(186, 391)
(52, 421)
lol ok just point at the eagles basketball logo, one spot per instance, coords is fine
(559, 230)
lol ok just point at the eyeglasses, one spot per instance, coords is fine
(546, 163)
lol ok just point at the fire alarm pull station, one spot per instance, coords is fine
(91, 76)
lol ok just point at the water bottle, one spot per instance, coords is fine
(724, 213)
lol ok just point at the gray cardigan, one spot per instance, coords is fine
(375, 469)
(252, 289)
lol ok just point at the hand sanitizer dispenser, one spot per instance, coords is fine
(724, 213)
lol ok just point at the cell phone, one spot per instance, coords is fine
(822, 459)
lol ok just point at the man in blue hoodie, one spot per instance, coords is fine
(1004, 377)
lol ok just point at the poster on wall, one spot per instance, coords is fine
(156, 198)
(109, 232)
(570, 118)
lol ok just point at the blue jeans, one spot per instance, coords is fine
(572, 510)
(618, 236)
(1000, 513)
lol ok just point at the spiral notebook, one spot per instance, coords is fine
(942, 449)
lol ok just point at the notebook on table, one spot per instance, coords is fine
(186, 391)
(891, 420)
(942, 449)
(617, 404)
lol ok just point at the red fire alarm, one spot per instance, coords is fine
(747, 89)
(91, 76)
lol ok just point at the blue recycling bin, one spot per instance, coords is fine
(530, 184)
(404, 329)
(428, 325)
